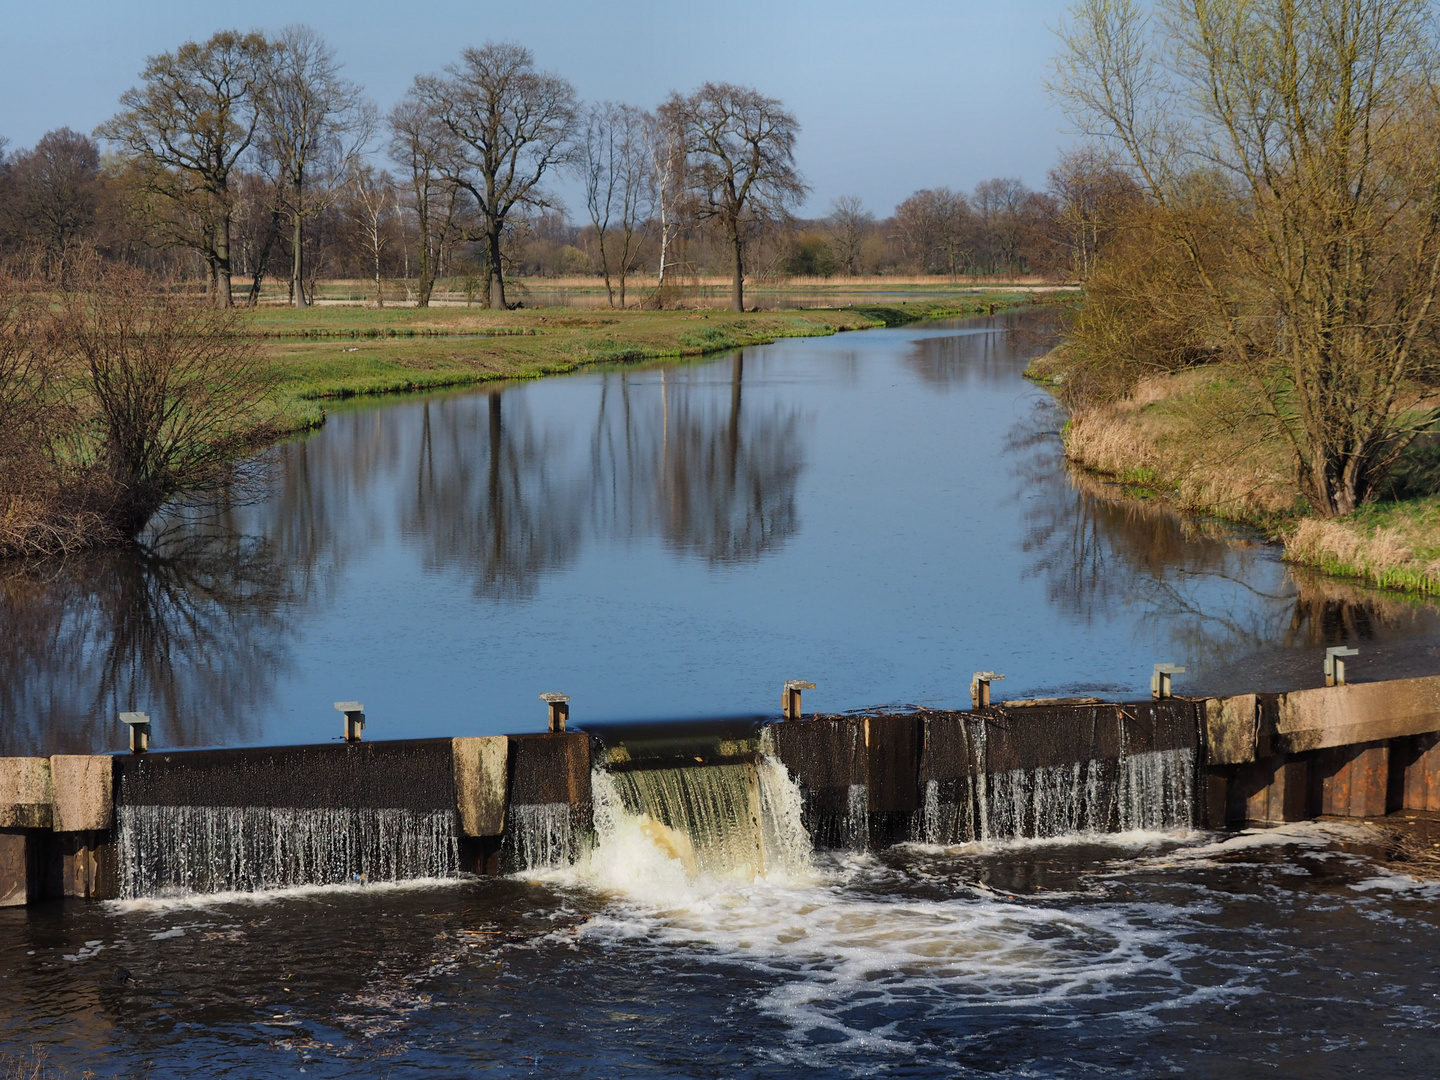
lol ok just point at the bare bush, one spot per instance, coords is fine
(174, 391)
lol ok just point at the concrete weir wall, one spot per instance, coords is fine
(1359, 750)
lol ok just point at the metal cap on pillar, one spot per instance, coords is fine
(980, 688)
(354, 719)
(139, 724)
(559, 710)
(790, 698)
(1335, 664)
(1160, 679)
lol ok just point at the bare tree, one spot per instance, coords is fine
(187, 125)
(427, 150)
(935, 230)
(1293, 155)
(54, 190)
(512, 125)
(372, 196)
(847, 227)
(999, 206)
(616, 167)
(175, 390)
(740, 162)
(667, 166)
(315, 125)
(1089, 193)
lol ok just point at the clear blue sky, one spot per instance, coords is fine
(891, 97)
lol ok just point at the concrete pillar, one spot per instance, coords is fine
(1352, 781)
(83, 787)
(25, 793)
(1420, 783)
(481, 783)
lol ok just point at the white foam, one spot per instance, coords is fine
(839, 951)
(186, 900)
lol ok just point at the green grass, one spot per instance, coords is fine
(338, 352)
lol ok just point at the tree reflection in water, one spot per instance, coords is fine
(195, 627)
(503, 497)
(190, 628)
(1214, 594)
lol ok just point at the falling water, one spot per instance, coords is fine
(211, 849)
(543, 836)
(735, 820)
(1152, 791)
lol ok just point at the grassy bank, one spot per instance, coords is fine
(335, 352)
(1197, 439)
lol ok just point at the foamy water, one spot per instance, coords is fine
(843, 944)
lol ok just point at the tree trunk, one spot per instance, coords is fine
(604, 265)
(298, 282)
(223, 296)
(263, 262)
(496, 297)
(737, 282)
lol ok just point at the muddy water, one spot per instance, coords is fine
(882, 513)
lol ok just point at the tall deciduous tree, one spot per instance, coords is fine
(54, 190)
(187, 125)
(1292, 150)
(848, 225)
(619, 186)
(739, 151)
(1089, 194)
(427, 150)
(511, 125)
(935, 230)
(315, 124)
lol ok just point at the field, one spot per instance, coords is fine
(336, 351)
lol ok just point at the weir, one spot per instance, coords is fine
(742, 798)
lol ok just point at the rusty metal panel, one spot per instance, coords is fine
(892, 764)
(550, 768)
(1352, 781)
(1421, 772)
(1271, 789)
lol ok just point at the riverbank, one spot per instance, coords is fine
(326, 353)
(1197, 438)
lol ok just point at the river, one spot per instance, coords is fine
(882, 513)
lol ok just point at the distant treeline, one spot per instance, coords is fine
(249, 157)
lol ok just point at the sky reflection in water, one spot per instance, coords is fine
(882, 513)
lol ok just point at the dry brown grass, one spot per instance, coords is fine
(1190, 435)
(1398, 555)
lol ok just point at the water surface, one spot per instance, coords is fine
(882, 513)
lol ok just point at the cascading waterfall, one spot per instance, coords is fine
(211, 849)
(734, 820)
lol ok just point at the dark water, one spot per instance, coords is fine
(1281, 955)
(882, 513)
